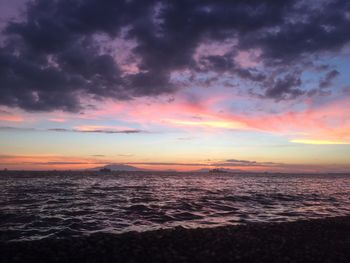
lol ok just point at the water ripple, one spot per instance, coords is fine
(35, 207)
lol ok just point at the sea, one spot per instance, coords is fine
(37, 205)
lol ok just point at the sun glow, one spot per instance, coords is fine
(317, 142)
(209, 124)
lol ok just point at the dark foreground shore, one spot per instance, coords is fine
(324, 240)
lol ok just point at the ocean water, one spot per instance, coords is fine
(38, 205)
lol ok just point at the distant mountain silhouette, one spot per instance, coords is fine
(129, 168)
(207, 170)
(118, 167)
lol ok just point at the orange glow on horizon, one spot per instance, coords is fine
(202, 115)
(11, 118)
(46, 162)
(91, 128)
(317, 142)
(210, 124)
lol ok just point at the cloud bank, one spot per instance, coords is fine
(61, 53)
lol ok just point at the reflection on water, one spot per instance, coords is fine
(33, 207)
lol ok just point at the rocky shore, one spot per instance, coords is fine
(321, 240)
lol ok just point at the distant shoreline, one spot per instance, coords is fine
(318, 240)
(116, 172)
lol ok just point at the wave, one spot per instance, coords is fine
(35, 207)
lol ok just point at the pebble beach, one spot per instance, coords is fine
(318, 240)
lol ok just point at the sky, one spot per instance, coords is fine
(258, 85)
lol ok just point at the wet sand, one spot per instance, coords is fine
(321, 240)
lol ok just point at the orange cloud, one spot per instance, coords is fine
(221, 124)
(327, 123)
(46, 162)
(11, 118)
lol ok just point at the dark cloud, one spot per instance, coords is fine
(65, 163)
(53, 57)
(225, 63)
(226, 163)
(346, 90)
(327, 80)
(113, 131)
(324, 83)
(217, 63)
(5, 112)
(239, 161)
(287, 87)
(10, 128)
(106, 131)
(234, 162)
(307, 29)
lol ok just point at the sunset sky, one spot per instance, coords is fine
(256, 85)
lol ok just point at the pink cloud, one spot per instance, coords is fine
(329, 122)
(91, 128)
(11, 118)
(248, 59)
(57, 119)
